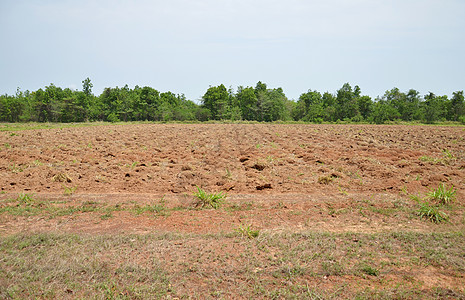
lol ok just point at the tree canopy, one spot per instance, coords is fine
(260, 103)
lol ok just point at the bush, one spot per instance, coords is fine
(462, 120)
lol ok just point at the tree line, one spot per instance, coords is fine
(259, 103)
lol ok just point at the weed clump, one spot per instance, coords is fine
(247, 231)
(208, 200)
(432, 213)
(443, 195)
(434, 200)
(325, 179)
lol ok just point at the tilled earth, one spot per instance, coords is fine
(239, 159)
(140, 179)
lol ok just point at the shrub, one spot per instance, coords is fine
(462, 120)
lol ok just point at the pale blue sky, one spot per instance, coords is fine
(185, 46)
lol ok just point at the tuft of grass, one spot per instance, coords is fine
(69, 190)
(247, 231)
(62, 177)
(446, 159)
(106, 216)
(367, 269)
(432, 213)
(442, 194)
(325, 179)
(157, 208)
(207, 200)
(26, 199)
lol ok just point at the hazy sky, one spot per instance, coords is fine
(185, 46)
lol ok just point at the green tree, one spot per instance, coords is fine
(216, 101)
(273, 105)
(382, 112)
(365, 104)
(312, 105)
(149, 103)
(457, 106)
(434, 108)
(247, 102)
(346, 102)
(87, 87)
(11, 108)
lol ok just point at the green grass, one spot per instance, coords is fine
(28, 205)
(158, 208)
(208, 200)
(446, 159)
(430, 206)
(443, 195)
(247, 231)
(69, 190)
(11, 127)
(432, 213)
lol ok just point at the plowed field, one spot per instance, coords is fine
(310, 210)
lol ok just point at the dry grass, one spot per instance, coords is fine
(284, 265)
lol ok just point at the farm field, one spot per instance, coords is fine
(310, 211)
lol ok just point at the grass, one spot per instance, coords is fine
(443, 195)
(325, 179)
(11, 127)
(247, 231)
(283, 265)
(446, 159)
(430, 206)
(154, 208)
(28, 205)
(69, 190)
(432, 213)
(208, 200)
(368, 269)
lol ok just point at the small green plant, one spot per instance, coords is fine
(247, 231)
(442, 194)
(69, 190)
(106, 216)
(26, 199)
(432, 213)
(415, 198)
(37, 163)
(369, 270)
(15, 168)
(204, 199)
(447, 154)
(325, 179)
(228, 174)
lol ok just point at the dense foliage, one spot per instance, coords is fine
(259, 103)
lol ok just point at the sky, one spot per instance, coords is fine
(185, 46)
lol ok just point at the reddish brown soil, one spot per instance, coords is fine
(290, 172)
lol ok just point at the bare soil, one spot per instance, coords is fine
(278, 179)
